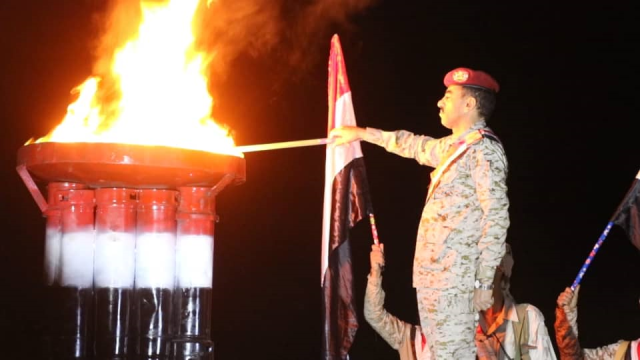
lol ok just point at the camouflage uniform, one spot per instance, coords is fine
(461, 236)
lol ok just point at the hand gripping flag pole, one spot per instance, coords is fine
(627, 216)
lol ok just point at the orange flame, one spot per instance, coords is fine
(161, 86)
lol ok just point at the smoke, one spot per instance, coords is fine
(228, 28)
(314, 22)
(288, 29)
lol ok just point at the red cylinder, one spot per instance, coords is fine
(54, 190)
(157, 211)
(77, 212)
(115, 237)
(196, 211)
(114, 269)
(70, 302)
(155, 272)
(77, 208)
(194, 274)
(54, 230)
(194, 246)
(116, 209)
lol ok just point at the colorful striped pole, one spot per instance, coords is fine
(592, 254)
(374, 229)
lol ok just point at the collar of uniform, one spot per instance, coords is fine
(508, 313)
(510, 307)
(481, 124)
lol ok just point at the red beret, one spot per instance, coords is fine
(469, 77)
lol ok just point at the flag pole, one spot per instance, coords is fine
(619, 218)
(374, 229)
(592, 254)
(283, 145)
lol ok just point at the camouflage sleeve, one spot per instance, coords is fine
(424, 149)
(607, 352)
(566, 328)
(489, 174)
(388, 326)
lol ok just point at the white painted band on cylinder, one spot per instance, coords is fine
(155, 260)
(114, 264)
(76, 255)
(53, 241)
(194, 261)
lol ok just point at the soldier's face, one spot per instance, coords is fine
(452, 106)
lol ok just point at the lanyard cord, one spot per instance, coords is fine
(499, 343)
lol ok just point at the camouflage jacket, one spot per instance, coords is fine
(462, 231)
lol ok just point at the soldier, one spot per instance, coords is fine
(509, 330)
(461, 236)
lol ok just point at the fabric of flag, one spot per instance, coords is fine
(627, 216)
(346, 201)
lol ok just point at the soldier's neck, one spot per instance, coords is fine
(464, 125)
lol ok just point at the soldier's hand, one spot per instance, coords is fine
(568, 299)
(377, 258)
(346, 134)
(482, 299)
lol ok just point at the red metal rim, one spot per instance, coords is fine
(123, 165)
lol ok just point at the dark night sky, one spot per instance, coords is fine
(566, 115)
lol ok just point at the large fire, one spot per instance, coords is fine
(156, 92)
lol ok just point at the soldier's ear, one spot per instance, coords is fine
(470, 103)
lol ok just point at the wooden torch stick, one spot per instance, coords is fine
(283, 145)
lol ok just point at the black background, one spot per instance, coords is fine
(566, 115)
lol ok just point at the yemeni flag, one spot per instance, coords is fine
(346, 201)
(627, 216)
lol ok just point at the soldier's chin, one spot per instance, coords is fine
(444, 122)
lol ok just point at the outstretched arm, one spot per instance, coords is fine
(424, 149)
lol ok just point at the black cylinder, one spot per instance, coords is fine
(152, 323)
(192, 337)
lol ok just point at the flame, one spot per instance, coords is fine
(160, 87)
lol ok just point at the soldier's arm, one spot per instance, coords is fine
(388, 326)
(607, 352)
(566, 329)
(489, 172)
(424, 149)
